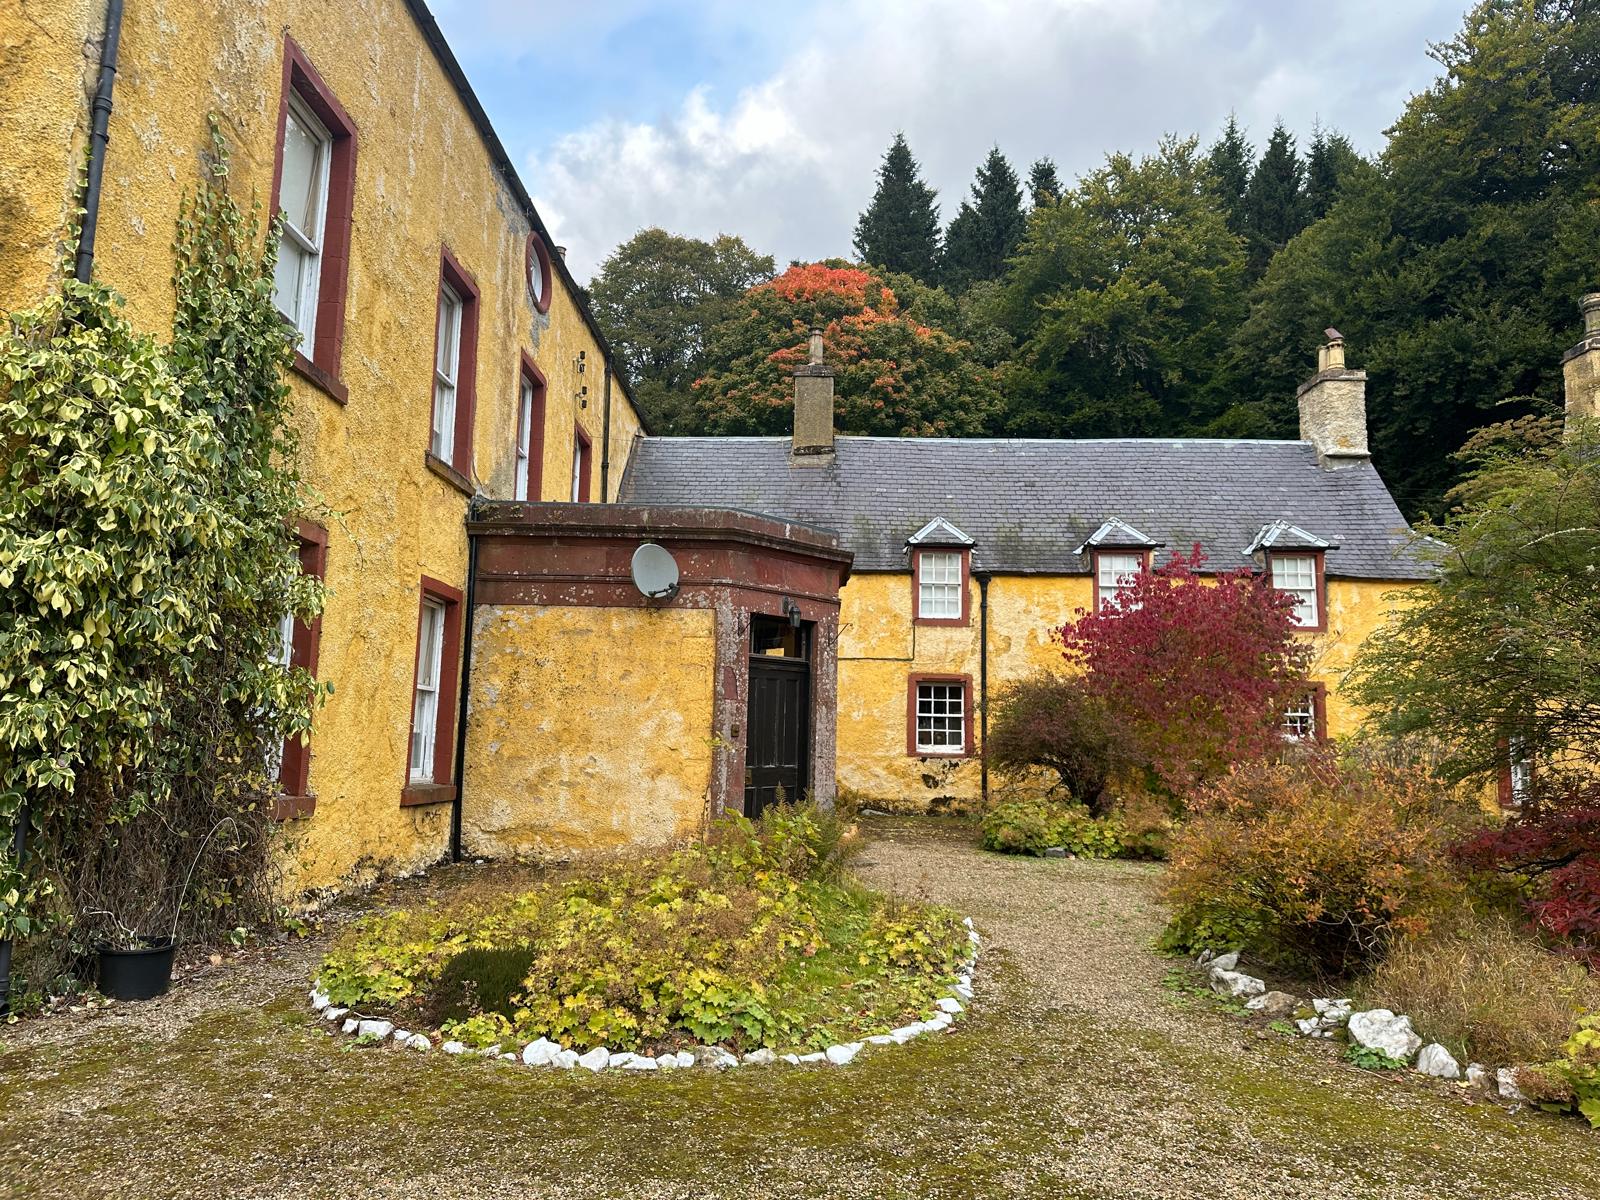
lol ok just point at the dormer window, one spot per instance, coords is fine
(1115, 571)
(941, 561)
(1296, 574)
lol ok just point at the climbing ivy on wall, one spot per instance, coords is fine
(147, 557)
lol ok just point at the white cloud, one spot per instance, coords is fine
(788, 162)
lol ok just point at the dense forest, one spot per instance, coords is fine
(1180, 291)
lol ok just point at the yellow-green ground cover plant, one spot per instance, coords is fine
(755, 938)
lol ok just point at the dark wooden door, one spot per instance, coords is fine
(777, 749)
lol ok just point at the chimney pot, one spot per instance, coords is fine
(1333, 408)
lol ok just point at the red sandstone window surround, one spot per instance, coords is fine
(939, 585)
(313, 191)
(540, 273)
(939, 716)
(431, 743)
(527, 478)
(455, 369)
(1301, 573)
(300, 643)
(1306, 719)
(581, 452)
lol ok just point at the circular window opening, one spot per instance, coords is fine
(539, 273)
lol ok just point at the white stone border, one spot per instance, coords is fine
(545, 1053)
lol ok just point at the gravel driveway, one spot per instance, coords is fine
(1079, 1074)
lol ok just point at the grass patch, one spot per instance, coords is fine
(752, 939)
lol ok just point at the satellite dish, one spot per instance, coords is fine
(655, 572)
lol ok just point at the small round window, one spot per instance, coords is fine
(539, 273)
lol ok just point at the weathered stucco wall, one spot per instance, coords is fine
(423, 180)
(881, 649)
(560, 763)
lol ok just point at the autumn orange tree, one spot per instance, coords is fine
(894, 373)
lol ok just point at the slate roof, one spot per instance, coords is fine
(1029, 504)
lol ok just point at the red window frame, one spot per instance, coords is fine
(295, 799)
(458, 470)
(1094, 565)
(302, 79)
(966, 585)
(1319, 710)
(529, 372)
(441, 788)
(1319, 560)
(967, 716)
(1505, 788)
(583, 461)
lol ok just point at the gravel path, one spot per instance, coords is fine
(1081, 1073)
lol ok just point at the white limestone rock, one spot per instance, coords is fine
(1380, 1029)
(1333, 1011)
(906, 1032)
(880, 1039)
(839, 1055)
(1204, 958)
(319, 1000)
(638, 1062)
(565, 1060)
(377, 1030)
(595, 1060)
(965, 980)
(685, 1059)
(1273, 1004)
(401, 1035)
(1309, 1026)
(1225, 962)
(667, 1062)
(540, 1052)
(1478, 1076)
(1435, 1060)
(351, 1024)
(1506, 1082)
(815, 1057)
(1232, 983)
(418, 1041)
(716, 1057)
(792, 1059)
(761, 1058)
(967, 921)
(949, 1004)
(454, 1047)
(334, 1014)
(962, 991)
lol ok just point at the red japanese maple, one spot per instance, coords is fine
(1199, 668)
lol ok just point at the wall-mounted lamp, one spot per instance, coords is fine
(792, 611)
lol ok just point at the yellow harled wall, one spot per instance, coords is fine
(880, 649)
(423, 178)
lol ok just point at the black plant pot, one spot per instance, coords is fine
(141, 974)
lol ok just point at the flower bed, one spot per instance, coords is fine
(752, 946)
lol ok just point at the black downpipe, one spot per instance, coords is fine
(99, 136)
(983, 680)
(83, 270)
(466, 690)
(605, 439)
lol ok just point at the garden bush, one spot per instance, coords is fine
(1053, 722)
(751, 939)
(1572, 1082)
(1031, 826)
(1315, 862)
(1487, 990)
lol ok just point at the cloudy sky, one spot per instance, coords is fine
(768, 120)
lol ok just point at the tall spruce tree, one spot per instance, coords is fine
(1044, 185)
(900, 229)
(1275, 204)
(1231, 159)
(987, 228)
(1329, 161)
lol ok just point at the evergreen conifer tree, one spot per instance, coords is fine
(1230, 160)
(900, 229)
(1044, 185)
(1275, 203)
(987, 228)
(1331, 157)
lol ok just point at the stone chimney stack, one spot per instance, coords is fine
(1333, 408)
(1580, 366)
(813, 409)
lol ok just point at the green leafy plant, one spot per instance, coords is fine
(1370, 1059)
(1031, 826)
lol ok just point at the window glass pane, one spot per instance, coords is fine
(579, 462)
(1297, 574)
(1114, 573)
(941, 717)
(448, 334)
(939, 585)
(1300, 719)
(301, 186)
(524, 432)
(425, 710)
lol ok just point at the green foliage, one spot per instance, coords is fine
(1503, 645)
(1121, 299)
(1231, 160)
(145, 562)
(749, 940)
(1370, 1059)
(986, 230)
(1275, 202)
(1044, 185)
(658, 296)
(1579, 1066)
(1034, 825)
(899, 231)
